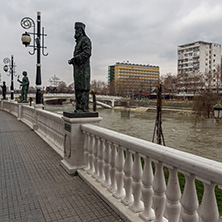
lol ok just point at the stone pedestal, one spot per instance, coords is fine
(74, 139)
(1, 107)
(20, 110)
(37, 107)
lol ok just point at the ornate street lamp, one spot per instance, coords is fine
(9, 68)
(27, 23)
(218, 111)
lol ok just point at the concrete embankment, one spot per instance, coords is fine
(180, 110)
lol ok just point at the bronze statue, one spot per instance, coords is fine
(4, 90)
(81, 64)
(25, 87)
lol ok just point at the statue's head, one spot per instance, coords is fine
(80, 29)
(24, 73)
(3, 82)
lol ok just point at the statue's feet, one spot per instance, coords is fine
(23, 101)
(81, 111)
(78, 111)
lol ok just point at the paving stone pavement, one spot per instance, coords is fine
(33, 185)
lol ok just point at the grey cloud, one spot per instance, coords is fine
(141, 31)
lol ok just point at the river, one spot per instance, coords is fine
(179, 130)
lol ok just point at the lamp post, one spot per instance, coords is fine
(10, 64)
(27, 23)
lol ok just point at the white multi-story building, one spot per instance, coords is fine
(199, 57)
(199, 66)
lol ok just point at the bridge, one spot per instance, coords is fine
(128, 173)
(105, 101)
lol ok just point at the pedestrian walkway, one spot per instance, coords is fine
(33, 185)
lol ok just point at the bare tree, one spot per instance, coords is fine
(207, 96)
(169, 84)
(99, 86)
(54, 81)
(62, 87)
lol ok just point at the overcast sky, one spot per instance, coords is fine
(138, 31)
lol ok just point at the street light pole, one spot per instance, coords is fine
(12, 82)
(27, 23)
(38, 81)
(11, 72)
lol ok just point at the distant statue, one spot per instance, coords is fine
(81, 64)
(4, 90)
(25, 87)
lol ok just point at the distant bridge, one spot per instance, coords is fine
(103, 100)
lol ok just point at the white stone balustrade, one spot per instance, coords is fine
(27, 115)
(128, 199)
(51, 129)
(49, 126)
(130, 173)
(147, 191)
(112, 187)
(6, 105)
(14, 109)
(142, 188)
(106, 182)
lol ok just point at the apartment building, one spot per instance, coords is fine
(199, 57)
(127, 79)
(196, 60)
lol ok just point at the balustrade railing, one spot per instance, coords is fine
(153, 182)
(46, 124)
(27, 115)
(14, 109)
(51, 129)
(6, 105)
(144, 177)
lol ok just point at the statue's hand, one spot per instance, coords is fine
(70, 62)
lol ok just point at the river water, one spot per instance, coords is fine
(179, 130)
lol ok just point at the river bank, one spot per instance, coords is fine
(180, 110)
(180, 131)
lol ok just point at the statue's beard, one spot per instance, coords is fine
(77, 36)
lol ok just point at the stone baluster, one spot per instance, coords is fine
(119, 174)
(208, 210)
(101, 176)
(137, 205)
(106, 183)
(86, 151)
(91, 155)
(147, 191)
(112, 187)
(128, 199)
(173, 194)
(159, 188)
(189, 200)
(95, 151)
